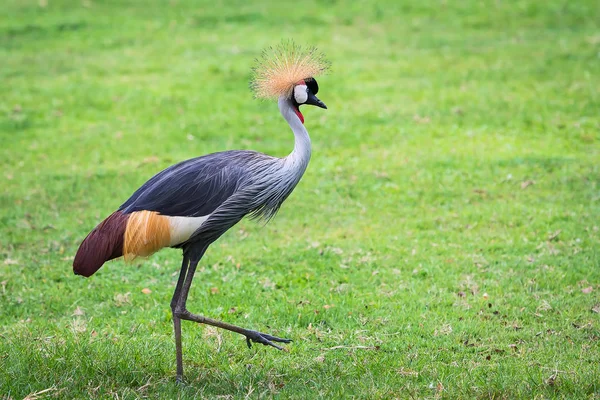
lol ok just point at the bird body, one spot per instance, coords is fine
(197, 200)
(191, 204)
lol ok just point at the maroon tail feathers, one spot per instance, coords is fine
(104, 243)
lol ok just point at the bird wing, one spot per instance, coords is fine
(193, 188)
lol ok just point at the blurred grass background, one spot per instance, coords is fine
(443, 242)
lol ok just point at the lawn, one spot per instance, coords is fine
(444, 242)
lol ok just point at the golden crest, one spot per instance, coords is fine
(280, 68)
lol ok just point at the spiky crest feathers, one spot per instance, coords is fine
(280, 68)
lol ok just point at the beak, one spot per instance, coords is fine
(314, 101)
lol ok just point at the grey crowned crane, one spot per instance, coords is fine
(191, 204)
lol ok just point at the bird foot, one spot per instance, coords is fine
(263, 338)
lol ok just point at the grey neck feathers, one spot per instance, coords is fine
(300, 156)
(281, 181)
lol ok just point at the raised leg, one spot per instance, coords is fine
(178, 307)
(176, 319)
(251, 336)
(182, 313)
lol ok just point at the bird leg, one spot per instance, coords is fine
(176, 319)
(180, 312)
(251, 336)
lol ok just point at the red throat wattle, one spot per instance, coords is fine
(299, 114)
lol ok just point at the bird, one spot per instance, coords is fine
(189, 205)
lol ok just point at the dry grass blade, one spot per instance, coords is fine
(352, 348)
(36, 395)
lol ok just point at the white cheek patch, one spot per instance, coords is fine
(300, 94)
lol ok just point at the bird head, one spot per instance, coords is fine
(288, 71)
(305, 93)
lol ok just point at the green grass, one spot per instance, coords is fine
(444, 242)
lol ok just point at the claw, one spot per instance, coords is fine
(265, 339)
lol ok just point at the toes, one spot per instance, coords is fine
(275, 338)
(269, 343)
(265, 339)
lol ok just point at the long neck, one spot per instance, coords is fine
(300, 156)
(283, 174)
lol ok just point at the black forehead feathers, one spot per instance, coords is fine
(312, 84)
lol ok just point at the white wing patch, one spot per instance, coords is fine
(183, 227)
